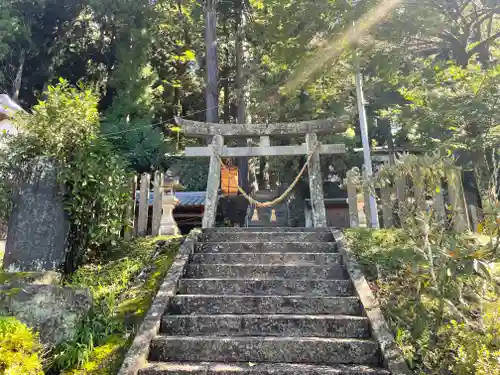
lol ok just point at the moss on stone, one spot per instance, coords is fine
(123, 286)
(10, 291)
(104, 359)
(7, 278)
(136, 301)
(20, 350)
(45, 278)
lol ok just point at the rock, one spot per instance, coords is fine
(52, 311)
(38, 278)
(38, 224)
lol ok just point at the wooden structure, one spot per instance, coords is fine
(218, 133)
(403, 191)
(151, 209)
(337, 213)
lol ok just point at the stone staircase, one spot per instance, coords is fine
(264, 301)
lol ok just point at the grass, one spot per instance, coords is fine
(123, 285)
(435, 337)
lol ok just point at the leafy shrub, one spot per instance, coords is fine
(474, 352)
(449, 325)
(96, 201)
(20, 350)
(65, 127)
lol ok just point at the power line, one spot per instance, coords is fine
(155, 124)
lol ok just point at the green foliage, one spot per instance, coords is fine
(142, 145)
(439, 290)
(104, 360)
(67, 121)
(123, 285)
(476, 352)
(192, 173)
(65, 128)
(97, 199)
(444, 325)
(20, 350)
(450, 106)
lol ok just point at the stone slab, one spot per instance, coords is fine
(265, 229)
(38, 225)
(265, 349)
(266, 325)
(264, 151)
(266, 247)
(215, 304)
(268, 237)
(204, 368)
(302, 259)
(333, 288)
(265, 272)
(204, 129)
(52, 311)
(36, 278)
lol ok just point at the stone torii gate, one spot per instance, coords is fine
(218, 132)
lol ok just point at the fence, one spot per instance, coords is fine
(449, 208)
(145, 214)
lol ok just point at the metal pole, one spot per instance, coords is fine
(366, 142)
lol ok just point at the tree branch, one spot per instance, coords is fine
(477, 47)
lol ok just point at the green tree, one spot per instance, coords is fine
(65, 128)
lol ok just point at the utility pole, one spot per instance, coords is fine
(363, 124)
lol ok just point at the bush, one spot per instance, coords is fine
(96, 201)
(20, 350)
(444, 326)
(474, 352)
(65, 127)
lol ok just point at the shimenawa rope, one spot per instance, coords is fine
(285, 193)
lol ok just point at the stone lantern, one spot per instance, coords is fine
(168, 226)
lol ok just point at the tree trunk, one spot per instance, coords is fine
(484, 173)
(225, 72)
(16, 87)
(212, 98)
(225, 88)
(240, 86)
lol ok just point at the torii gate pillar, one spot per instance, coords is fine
(316, 183)
(213, 183)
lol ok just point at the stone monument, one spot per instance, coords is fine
(38, 225)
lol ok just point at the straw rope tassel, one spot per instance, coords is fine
(273, 216)
(255, 216)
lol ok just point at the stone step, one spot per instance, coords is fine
(266, 325)
(264, 229)
(266, 247)
(301, 259)
(206, 368)
(267, 236)
(214, 304)
(265, 349)
(333, 288)
(262, 271)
